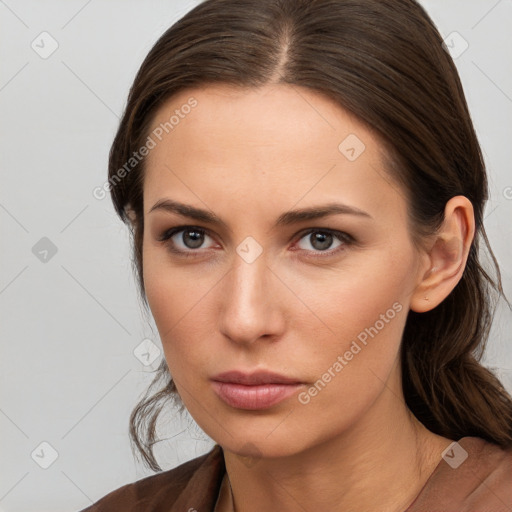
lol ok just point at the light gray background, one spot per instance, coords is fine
(70, 324)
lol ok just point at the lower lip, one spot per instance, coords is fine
(257, 397)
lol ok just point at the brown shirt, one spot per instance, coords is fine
(472, 476)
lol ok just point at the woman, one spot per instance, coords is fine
(305, 192)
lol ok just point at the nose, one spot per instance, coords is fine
(251, 304)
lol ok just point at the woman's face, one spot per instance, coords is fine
(248, 284)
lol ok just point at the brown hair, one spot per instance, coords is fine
(384, 61)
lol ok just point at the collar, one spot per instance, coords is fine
(201, 492)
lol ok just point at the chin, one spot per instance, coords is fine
(264, 441)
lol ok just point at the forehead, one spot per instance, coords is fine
(277, 144)
(279, 115)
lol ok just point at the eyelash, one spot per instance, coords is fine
(347, 240)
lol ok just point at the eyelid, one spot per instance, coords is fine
(335, 232)
(168, 233)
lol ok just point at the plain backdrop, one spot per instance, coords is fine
(71, 324)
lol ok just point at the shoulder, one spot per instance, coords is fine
(198, 478)
(473, 475)
(487, 469)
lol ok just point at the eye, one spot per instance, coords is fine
(321, 241)
(184, 239)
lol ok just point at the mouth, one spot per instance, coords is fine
(256, 391)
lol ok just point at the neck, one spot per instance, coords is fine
(380, 464)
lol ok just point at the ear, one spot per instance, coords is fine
(447, 255)
(131, 215)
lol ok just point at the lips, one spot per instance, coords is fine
(260, 390)
(254, 379)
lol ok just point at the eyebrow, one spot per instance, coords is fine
(285, 219)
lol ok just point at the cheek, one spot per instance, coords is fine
(358, 314)
(170, 292)
(176, 299)
(354, 297)
(353, 361)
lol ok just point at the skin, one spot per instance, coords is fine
(249, 155)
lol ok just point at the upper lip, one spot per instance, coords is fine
(254, 379)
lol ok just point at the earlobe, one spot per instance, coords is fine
(447, 256)
(130, 214)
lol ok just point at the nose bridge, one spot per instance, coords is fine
(249, 308)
